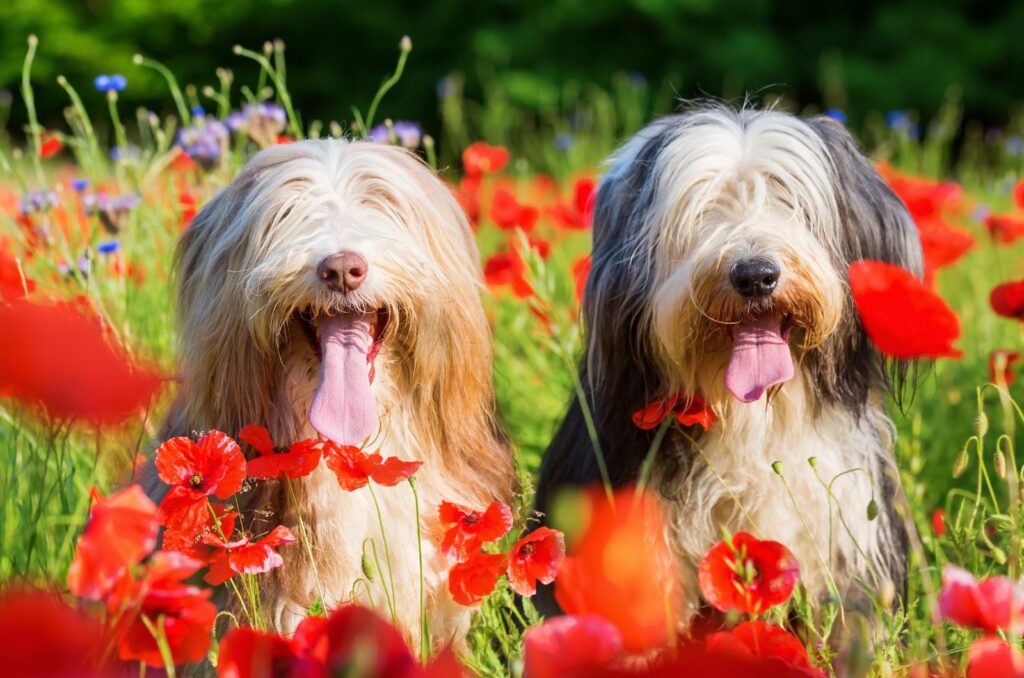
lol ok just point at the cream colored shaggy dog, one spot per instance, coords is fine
(334, 289)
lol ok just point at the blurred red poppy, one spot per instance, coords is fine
(88, 379)
(621, 568)
(903, 317)
(244, 557)
(482, 158)
(1018, 194)
(509, 214)
(926, 200)
(187, 200)
(994, 658)
(1005, 228)
(298, 461)
(1008, 300)
(1000, 366)
(121, 531)
(764, 641)
(44, 638)
(570, 645)
(534, 558)
(580, 273)
(471, 581)
(355, 468)
(939, 522)
(579, 213)
(191, 539)
(688, 411)
(186, 612)
(50, 145)
(746, 574)
(943, 246)
(465, 530)
(214, 466)
(993, 604)
(467, 193)
(351, 637)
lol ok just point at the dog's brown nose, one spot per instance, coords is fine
(343, 272)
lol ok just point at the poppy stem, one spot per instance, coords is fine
(645, 467)
(387, 551)
(424, 624)
(305, 540)
(160, 637)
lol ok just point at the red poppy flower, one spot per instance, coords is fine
(994, 658)
(903, 317)
(43, 638)
(242, 557)
(534, 558)
(298, 461)
(284, 139)
(580, 273)
(688, 411)
(467, 193)
(1000, 366)
(509, 214)
(1005, 228)
(14, 284)
(473, 580)
(570, 645)
(214, 466)
(939, 522)
(182, 161)
(508, 268)
(355, 468)
(1008, 300)
(993, 604)
(191, 539)
(187, 613)
(121, 531)
(248, 653)
(1018, 194)
(764, 641)
(621, 568)
(482, 158)
(465, 530)
(943, 246)
(747, 574)
(926, 200)
(579, 214)
(88, 379)
(187, 200)
(49, 145)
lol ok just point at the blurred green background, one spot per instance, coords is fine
(850, 55)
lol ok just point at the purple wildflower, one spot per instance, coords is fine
(408, 134)
(205, 142)
(113, 210)
(79, 185)
(37, 201)
(262, 122)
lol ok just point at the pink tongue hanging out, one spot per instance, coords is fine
(760, 358)
(343, 408)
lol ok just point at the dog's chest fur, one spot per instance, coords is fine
(729, 482)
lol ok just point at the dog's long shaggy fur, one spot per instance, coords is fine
(249, 302)
(683, 201)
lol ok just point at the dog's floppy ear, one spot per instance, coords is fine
(874, 224)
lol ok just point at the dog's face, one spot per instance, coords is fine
(350, 254)
(729, 235)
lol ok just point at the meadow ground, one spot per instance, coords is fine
(65, 236)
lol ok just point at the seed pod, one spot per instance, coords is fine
(1000, 463)
(368, 569)
(999, 555)
(981, 424)
(872, 509)
(777, 467)
(813, 461)
(960, 465)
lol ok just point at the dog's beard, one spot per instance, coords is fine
(347, 343)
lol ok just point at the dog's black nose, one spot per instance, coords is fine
(343, 272)
(755, 277)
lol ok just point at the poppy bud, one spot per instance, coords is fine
(872, 509)
(999, 555)
(368, 567)
(961, 463)
(777, 467)
(887, 594)
(981, 424)
(1000, 463)
(813, 461)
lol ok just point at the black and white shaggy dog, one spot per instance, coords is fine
(719, 269)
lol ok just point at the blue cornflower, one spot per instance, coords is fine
(837, 114)
(636, 80)
(198, 111)
(110, 83)
(108, 247)
(205, 141)
(897, 119)
(564, 141)
(1014, 145)
(80, 185)
(447, 87)
(408, 134)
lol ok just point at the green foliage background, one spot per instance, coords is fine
(852, 55)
